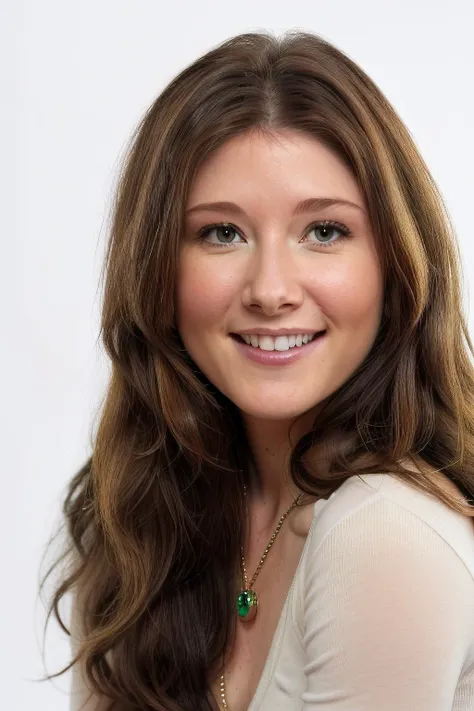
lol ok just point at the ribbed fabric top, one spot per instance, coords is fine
(380, 613)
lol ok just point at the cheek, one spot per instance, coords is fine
(203, 293)
(351, 291)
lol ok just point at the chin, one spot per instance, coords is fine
(273, 410)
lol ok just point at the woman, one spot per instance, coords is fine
(277, 511)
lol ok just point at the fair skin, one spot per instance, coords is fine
(274, 271)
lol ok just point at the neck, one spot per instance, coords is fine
(271, 489)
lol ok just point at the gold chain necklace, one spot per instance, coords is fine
(247, 600)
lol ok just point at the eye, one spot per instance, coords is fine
(225, 233)
(327, 230)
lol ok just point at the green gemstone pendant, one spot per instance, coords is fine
(247, 604)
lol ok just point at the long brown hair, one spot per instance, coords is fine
(154, 516)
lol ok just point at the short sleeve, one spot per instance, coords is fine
(388, 614)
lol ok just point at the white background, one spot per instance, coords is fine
(75, 79)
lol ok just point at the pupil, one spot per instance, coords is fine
(226, 229)
(325, 231)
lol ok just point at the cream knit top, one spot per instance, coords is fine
(380, 613)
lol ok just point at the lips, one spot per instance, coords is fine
(278, 358)
(239, 338)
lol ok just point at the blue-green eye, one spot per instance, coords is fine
(226, 232)
(327, 229)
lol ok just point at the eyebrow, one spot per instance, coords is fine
(303, 207)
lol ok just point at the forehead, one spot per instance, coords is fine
(285, 166)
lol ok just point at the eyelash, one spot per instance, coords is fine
(345, 232)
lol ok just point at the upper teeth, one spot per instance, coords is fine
(278, 343)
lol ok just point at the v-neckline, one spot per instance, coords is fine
(265, 676)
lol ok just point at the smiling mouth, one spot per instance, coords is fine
(239, 338)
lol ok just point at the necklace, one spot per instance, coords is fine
(247, 600)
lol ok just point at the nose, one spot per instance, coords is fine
(273, 282)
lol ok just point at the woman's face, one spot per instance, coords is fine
(271, 267)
